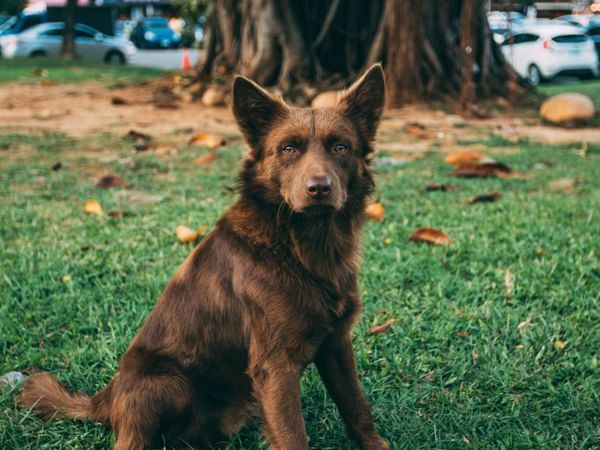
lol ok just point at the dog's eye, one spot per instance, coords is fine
(341, 148)
(289, 149)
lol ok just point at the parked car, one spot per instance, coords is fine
(590, 23)
(46, 39)
(543, 49)
(154, 32)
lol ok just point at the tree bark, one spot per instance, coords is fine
(431, 50)
(68, 42)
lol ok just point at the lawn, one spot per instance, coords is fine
(32, 70)
(466, 364)
(591, 88)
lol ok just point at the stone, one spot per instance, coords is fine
(569, 107)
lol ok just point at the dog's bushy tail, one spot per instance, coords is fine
(48, 398)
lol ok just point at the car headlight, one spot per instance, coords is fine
(150, 36)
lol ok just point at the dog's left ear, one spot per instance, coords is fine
(254, 109)
(364, 101)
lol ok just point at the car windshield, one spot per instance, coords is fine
(156, 23)
(570, 39)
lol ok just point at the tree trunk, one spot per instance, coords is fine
(431, 50)
(67, 49)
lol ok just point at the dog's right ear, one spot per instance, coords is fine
(254, 109)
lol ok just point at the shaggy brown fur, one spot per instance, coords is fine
(270, 290)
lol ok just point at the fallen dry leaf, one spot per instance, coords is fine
(487, 197)
(440, 187)
(93, 207)
(118, 101)
(185, 234)
(431, 236)
(137, 136)
(464, 157)
(567, 185)
(202, 229)
(379, 329)
(509, 282)
(116, 214)
(110, 181)
(206, 140)
(559, 345)
(206, 159)
(480, 170)
(375, 211)
(463, 333)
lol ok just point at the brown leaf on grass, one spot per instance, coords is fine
(56, 166)
(481, 170)
(206, 140)
(93, 207)
(205, 159)
(116, 214)
(430, 236)
(135, 135)
(463, 333)
(441, 187)
(488, 197)
(568, 185)
(464, 157)
(118, 101)
(141, 147)
(375, 211)
(111, 181)
(185, 234)
(379, 329)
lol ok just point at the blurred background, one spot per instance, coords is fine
(438, 48)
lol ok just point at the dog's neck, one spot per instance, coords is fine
(325, 244)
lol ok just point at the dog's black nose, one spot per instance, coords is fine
(318, 187)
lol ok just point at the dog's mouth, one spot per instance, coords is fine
(318, 209)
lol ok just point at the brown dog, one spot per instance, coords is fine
(273, 288)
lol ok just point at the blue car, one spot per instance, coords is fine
(154, 32)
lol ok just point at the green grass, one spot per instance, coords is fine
(33, 70)
(453, 372)
(591, 88)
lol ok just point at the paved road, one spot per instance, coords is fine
(162, 59)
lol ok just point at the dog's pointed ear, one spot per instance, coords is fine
(254, 109)
(364, 101)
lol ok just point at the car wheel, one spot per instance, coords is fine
(534, 76)
(114, 57)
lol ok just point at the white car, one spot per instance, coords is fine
(46, 40)
(543, 49)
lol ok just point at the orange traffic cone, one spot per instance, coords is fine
(186, 63)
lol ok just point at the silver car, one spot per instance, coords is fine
(46, 39)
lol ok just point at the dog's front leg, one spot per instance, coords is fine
(335, 362)
(277, 387)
